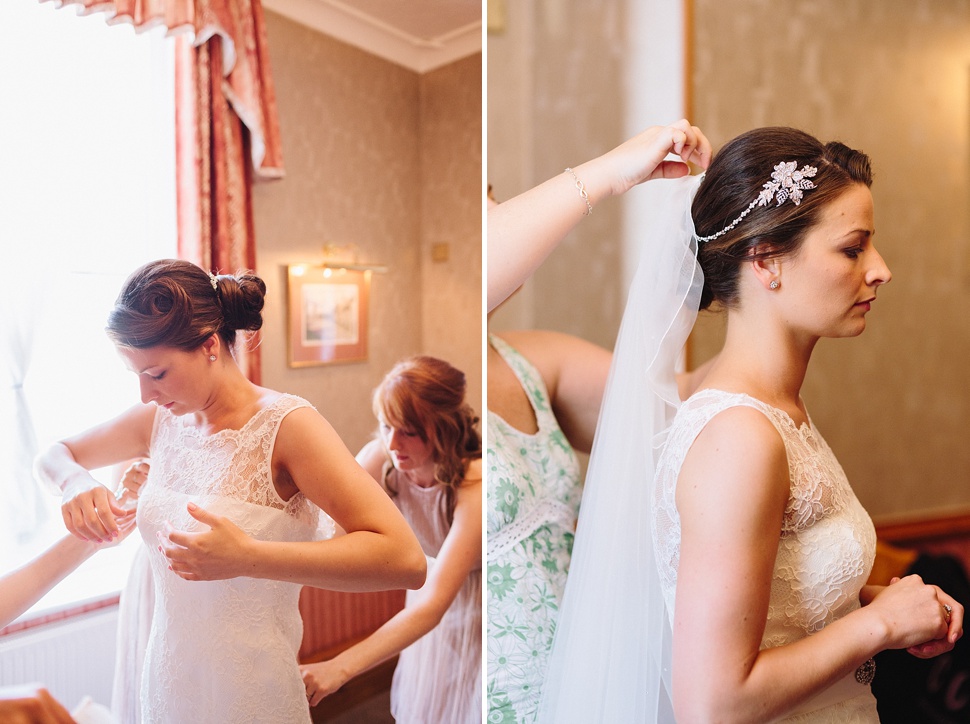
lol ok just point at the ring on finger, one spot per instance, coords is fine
(946, 611)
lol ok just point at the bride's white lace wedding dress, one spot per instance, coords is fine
(826, 545)
(222, 651)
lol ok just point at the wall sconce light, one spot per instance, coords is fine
(335, 259)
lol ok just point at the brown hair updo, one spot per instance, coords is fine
(172, 303)
(735, 178)
(427, 395)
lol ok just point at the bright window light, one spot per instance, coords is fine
(87, 178)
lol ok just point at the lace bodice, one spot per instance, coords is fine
(826, 544)
(222, 650)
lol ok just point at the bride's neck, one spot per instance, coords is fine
(765, 361)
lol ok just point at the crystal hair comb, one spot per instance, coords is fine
(786, 183)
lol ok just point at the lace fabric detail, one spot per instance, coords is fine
(220, 650)
(544, 512)
(231, 463)
(826, 544)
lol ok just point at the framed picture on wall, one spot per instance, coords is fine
(326, 315)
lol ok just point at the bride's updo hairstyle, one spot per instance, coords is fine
(174, 303)
(737, 176)
(427, 395)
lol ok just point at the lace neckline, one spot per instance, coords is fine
(806, 428)
(230, 431)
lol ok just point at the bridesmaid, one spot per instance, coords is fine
(427, 455)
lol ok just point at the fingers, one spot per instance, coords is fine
(180, 558)
(135, 476)
(31, 703)
(690, 143)
(91, 515)
(203, 516)
(953, 615)
(313, 693)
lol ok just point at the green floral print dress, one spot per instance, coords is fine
(532, 501)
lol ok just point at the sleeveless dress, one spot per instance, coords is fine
(826, 546)
(222, 651)
(438, 678)
(532, 501)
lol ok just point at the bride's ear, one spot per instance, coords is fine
(767, 271)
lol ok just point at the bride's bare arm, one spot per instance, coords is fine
(731, 495)
(378, 552)
(90, 511)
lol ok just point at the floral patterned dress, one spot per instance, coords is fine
(532, 501)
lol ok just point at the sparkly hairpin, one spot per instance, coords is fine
(786, 183)
(214, 281)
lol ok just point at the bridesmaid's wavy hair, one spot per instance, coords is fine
(735, 178)
(173, 303)
(427, 395)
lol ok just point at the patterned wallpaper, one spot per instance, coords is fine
(355, 145)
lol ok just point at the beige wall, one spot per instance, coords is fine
(450, 148)
(555, 99)
(887, 76)
(355, 148)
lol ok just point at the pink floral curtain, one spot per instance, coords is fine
(227, 132)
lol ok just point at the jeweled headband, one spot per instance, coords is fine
(786, 183)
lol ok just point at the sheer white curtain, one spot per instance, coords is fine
(87, 178)
(20, 308)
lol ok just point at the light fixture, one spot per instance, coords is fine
(334, 256)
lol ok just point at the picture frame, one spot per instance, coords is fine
(326, 315)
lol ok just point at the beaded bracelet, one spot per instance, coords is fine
(582, 191)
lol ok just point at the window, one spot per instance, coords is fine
(87, 178)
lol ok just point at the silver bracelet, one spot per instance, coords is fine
(582, 191)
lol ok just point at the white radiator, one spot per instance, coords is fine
(73, 658)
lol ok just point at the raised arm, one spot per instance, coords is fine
(460, 554)
(731, 496)
(89, 509)
(379, 551)
(522, 231)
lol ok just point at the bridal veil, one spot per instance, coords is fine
(611, 657)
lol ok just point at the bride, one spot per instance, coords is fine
(720, 565)
(231, 505)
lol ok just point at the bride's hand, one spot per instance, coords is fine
(90, 511)
(212, 555)
(914, 617)
(954, 632)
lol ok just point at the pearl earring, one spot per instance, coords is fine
(212, 358)
(774, 284)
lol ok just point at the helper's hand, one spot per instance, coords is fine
(132, 481)
(31, 704)
(321, 680)
(644, 157)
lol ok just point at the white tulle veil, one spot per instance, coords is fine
(611, 657)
